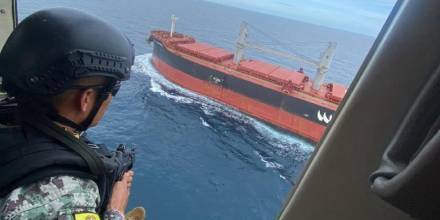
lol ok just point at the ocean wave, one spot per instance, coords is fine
(157, 88)
(204, 123)
(285, 143)
(267, 163)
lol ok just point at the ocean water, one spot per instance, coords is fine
(198, 159)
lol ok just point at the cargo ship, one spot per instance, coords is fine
(280, 96)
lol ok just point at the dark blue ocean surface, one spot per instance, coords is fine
(198, 159)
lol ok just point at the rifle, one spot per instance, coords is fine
(125, 158)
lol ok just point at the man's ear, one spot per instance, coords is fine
(86, 99)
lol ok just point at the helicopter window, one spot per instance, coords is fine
(224, 114)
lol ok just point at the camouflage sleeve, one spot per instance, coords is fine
(53, 198)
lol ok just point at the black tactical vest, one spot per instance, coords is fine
(29, 155)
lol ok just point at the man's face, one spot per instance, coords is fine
(102, 110)
(77, 104)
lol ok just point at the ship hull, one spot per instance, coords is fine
(275, 107)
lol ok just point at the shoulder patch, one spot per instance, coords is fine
(86, 216)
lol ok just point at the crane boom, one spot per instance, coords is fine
(322, 65)
(278, 53)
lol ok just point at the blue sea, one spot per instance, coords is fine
(198, 159)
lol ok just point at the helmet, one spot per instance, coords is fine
(52, 48)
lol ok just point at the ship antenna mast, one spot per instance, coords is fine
(173, 24)
(321, 65)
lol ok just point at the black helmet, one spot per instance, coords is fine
(52, 48)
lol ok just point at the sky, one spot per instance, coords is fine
(359, 16)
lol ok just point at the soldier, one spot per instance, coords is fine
(62, 67)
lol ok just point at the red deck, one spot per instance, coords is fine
(205, 51)
(337, 92)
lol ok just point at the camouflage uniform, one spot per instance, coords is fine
(56, 197)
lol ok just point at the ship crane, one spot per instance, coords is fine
(322, 65)
(173, 25)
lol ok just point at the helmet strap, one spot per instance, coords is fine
(88, 121)
(101, 97)
(65, 121)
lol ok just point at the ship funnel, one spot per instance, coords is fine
(173, 24)
(324, 64)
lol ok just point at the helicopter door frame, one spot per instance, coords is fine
(8, 19)
(335, 183)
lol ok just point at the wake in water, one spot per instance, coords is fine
(284, 145)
